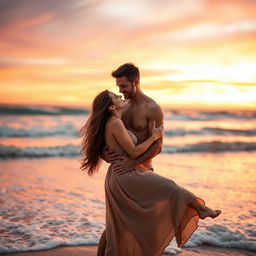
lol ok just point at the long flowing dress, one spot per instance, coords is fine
(144, 211)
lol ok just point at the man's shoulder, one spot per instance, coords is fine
(153, 109)
(152, 105)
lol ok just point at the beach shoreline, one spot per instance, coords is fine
(82, 250)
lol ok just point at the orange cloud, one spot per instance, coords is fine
(180, 46)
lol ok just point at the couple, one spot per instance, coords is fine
(144, 210)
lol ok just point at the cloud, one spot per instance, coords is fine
(15, 10)
(27, 61)
(194, 42)
(104, 29)
(46, 26)
(212, 31)
(185, 85)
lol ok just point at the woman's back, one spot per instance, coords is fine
(111, 141)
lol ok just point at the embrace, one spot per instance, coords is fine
(144, 210)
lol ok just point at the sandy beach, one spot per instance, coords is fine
(91, 251)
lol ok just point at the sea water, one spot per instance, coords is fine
(46, 200)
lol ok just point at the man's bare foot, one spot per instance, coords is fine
(208, 212)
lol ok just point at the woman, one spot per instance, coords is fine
(144, 211)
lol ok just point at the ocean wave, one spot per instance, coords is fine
(66, 129)
(36, 238)
(13, 151)
(181, 115)
(40, 110)
(223, 131)
(238, 114)
(9, 151)
(71, 131)
(211, 130)
(222, 236)
(212, 146)
(197, 115)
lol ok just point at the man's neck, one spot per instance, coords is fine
(137, 97)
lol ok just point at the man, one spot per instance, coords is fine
(138, 116)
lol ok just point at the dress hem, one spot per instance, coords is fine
(169, 239)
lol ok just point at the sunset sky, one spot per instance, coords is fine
(191, 53)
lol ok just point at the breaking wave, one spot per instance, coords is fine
(40, 110)
(70, 130)
(9, 151)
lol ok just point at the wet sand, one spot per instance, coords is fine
(91, 251)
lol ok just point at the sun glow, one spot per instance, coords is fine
(193, 58)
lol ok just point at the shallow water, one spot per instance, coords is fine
(194, 131)
(47, 201)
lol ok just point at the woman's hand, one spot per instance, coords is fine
(157, 132)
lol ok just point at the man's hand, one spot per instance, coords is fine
(125, 165)
(121, 164)
(110, 156)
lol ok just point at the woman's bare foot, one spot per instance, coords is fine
(208, 212)
(204, 211)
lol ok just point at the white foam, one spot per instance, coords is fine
(56, 225)
(210, 131)
(223, 236)
(33, 237)
(172, 249)
(212, 146)
(73, 150)
(64, 129)
(13, 151)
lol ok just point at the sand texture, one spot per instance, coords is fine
(91, 251)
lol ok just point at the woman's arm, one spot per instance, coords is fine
(123, 138)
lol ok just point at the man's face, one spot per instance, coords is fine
(125, 87)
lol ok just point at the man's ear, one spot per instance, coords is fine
(136, 81)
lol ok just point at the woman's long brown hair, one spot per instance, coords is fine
(93, 133)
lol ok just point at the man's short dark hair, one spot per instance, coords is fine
(129, 70)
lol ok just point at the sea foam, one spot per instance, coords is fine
(33, 237)
(9, 151)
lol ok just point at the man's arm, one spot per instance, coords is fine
(154, 150)
(155, 113)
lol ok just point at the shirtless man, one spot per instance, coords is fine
(138, 116)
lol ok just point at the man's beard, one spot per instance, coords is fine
(131, 93)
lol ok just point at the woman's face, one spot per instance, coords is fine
(117, 100)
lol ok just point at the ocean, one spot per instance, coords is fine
(47, 201)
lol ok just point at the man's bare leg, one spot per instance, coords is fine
(204, 211)
(102, 244)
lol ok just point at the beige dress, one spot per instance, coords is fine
(144, 211)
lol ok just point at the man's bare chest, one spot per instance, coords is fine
(135, 119)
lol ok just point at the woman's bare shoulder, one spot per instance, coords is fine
(114, 123)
